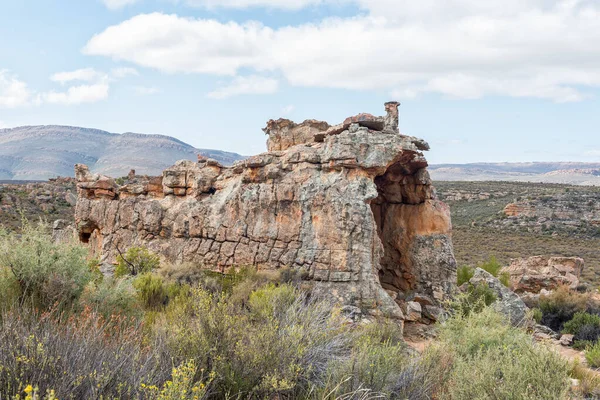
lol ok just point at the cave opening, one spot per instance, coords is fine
(395, 192)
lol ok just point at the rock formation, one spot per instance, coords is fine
(351, 206)
(531, 275)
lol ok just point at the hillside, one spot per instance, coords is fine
(574, 173)
(512, 219)
(42, 152)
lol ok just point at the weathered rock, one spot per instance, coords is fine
(63, 231)
(533, 274)
(413, 311)
(543, 332)
(507, 302)
(353, 213)
(566, 339)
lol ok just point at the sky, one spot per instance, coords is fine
(494, 80)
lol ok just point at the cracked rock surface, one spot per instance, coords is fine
(352, 208)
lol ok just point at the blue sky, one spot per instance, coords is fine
(481, 81)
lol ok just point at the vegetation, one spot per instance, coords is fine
(162, 334)
(466, 272)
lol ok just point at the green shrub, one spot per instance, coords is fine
(537, 315)
(560, 306)
(464, 274)
(46, 274)
(111, 296)
(492, 266)
(137, 260)
(474, 299)
(592, 355)
(275, 341)
(493, 360)
(182, 385)
(153, 292)
(579, 320)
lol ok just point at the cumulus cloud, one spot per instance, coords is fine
(117, 4)
(77, 94)
(123, 72)
(253, 84)
(459, 48)
(13, 92)
(84, 74)
(241, 4)
(146, 90)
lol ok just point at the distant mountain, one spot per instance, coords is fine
(575, 173)
(42, 152)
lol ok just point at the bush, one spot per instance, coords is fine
(579, 320)
(592, 355)
(492, 266)
(464, 274)
(493, 360)
(275, 341)
(537, 315)
(137, 260)
(111, 296)
(474, 299)
(44, 273)
(83, 356)
(153, 292)
(560, 306)
(587, 333)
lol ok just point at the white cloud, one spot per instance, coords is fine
(459, 48)
(77, 94)
(13, 92)
(253, 84)
(146, 90)
(84, 74)
(241, 4)
(123, 72)
(117, 4)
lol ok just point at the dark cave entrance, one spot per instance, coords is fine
(396, 193)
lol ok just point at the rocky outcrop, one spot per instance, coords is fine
(350, 206)
(533, 274)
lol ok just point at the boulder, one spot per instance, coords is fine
(413, 311)
(507, 302)
(534, 274)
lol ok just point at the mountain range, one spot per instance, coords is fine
(577, 173)
(42, 152)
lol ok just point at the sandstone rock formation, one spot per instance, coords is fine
(351, 206)
(533, 274)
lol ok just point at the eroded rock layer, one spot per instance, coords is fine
(351, 206)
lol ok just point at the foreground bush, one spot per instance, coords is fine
(84, 356)
(36, 271)
(493, 360)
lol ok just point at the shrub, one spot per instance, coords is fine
(153, 292)
(492, 266)
(45, 273)
(464, 274)
(82, 356)
(587, 333)
(182, 385)
(579, 320)
(137, 260)
(111, 296)
(275, 341)
(592, 355)
(493, 360)
(537, 315)
(474, 299)
(560, 306)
